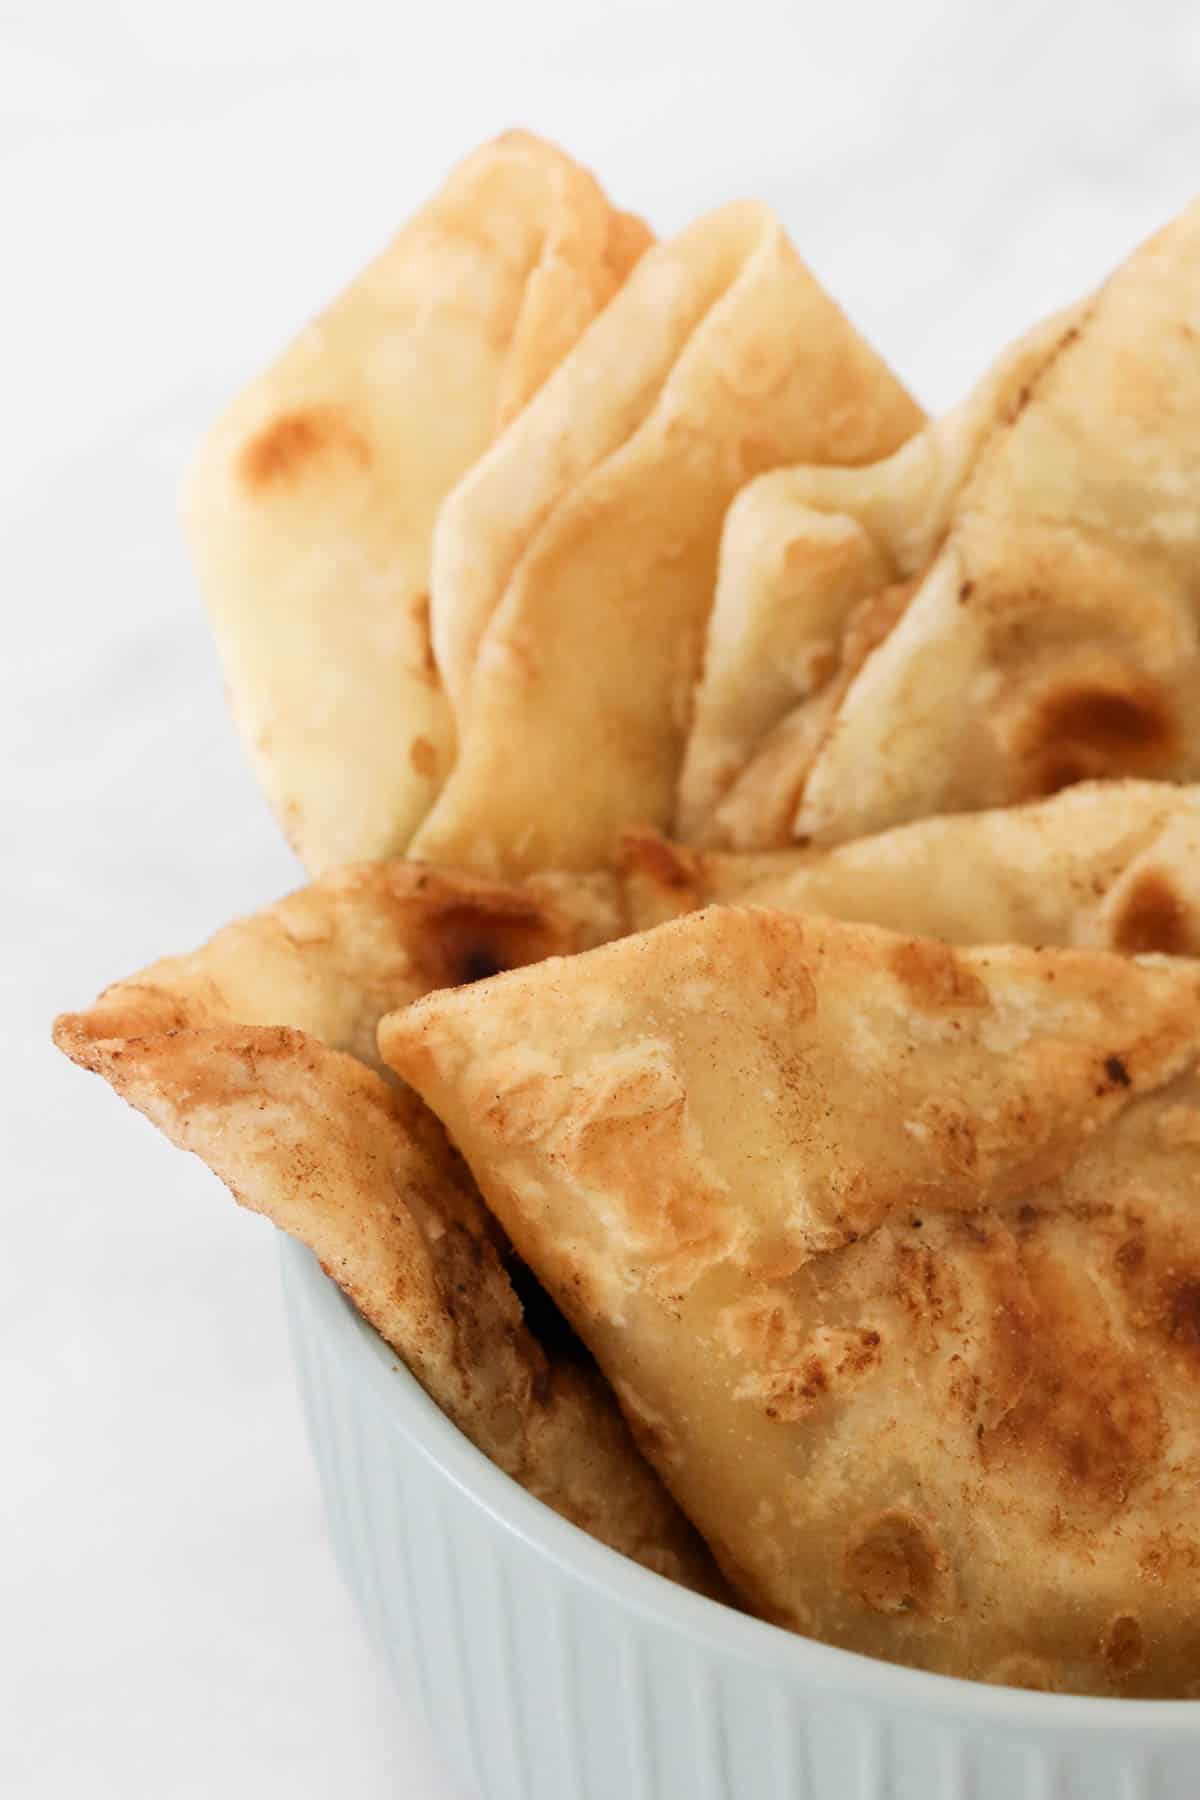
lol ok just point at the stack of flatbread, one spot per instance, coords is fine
(741, 1042)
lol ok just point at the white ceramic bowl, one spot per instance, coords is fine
(553, 1669)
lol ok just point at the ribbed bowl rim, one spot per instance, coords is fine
(404, 1406)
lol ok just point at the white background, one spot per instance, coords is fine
(180, 186)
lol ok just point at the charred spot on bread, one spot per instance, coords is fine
(283, 452)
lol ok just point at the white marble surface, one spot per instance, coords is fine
(179, 186)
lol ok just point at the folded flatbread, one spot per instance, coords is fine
(816, 565)
(1105, 865)
(1053, 637)
(248, 1053)
(891, 1252)
(311, 506)
(574, 568)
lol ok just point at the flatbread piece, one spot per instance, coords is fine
(891, 1252)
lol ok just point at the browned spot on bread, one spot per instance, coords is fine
(1122, 1645)
(934, 976)
(671, 1212)
(1154, 916)
(469, 940)
(765, 1328)
(1166, 1557)
(791, 984)
(950, 1133)
(1087, 1417)
(1181, 1313)
(427, 667)
(621, 1128)
(1005, 1359)
(290, 445)
(423, 757)
(456, 929)
(963, 1388)
(893, 1563)
(827, 1364)
(1131, 1255)
(964, 1299)
(803, 1367)
(925, 1285)
(1094, 731)
(519, 1112)
(1160, 1277)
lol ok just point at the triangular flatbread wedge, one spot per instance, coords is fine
(1054, 636)
(1105, 865)
(311, 506)
(574, 568)
(239, 1053)
(891, 1252)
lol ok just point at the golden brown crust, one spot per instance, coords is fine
(889, 1246)
(892, 1252)
(894, 1564)
(238, 1053)
(1156, 915)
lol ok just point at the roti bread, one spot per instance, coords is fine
(1053, 638)
(574, 569)
(890, 1252)
(808, 557)
(241, 1052)
(311, 506)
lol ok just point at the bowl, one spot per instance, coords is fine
(551, 1668)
